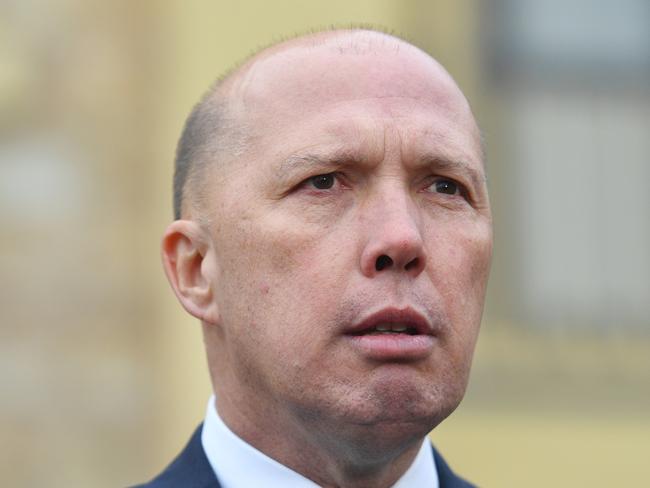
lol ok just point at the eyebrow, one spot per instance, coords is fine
(298, 162)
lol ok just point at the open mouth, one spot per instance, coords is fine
(390, 329)
(393, 334)
(392, 321)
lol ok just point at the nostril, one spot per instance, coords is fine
(383, 262)
(412, 264)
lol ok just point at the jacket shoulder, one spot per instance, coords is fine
(446, 477)
(190, 469)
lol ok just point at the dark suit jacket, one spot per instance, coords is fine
(191, 469)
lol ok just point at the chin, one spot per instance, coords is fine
(418, 398)
(384, 437)
(393, 416)
(413, 410)
(382, 413)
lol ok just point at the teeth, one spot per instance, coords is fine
(391, 328)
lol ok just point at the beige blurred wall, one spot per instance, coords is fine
(103, 375)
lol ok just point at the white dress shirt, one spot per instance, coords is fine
(237, 464)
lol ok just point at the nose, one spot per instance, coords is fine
(394, 239)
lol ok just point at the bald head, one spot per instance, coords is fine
(331, 184)
(242, 106)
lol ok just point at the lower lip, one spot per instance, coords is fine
(386, 347)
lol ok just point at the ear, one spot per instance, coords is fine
(190, 266)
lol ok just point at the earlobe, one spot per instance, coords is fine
(189, 264)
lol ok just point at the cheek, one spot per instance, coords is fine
(296, 254)
(460, 256)
(277, 273)
(460, 259)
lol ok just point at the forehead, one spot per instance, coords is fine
(347, 89)
(344, 67)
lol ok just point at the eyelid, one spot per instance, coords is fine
(463, 189)
(431, 180)
(307, 181)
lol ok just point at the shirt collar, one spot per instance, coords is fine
(237, 464)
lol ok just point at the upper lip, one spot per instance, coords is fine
(411, 318)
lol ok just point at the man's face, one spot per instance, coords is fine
(359, 205)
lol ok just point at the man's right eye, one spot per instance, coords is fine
(322, 182)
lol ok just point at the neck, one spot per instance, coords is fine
(330, 457)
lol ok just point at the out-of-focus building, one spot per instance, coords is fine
(103, 375)
(571, 81)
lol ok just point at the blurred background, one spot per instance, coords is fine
(103, 376)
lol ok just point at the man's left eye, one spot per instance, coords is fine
(323, 182)
(446, 186)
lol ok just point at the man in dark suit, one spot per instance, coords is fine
(333, 235)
